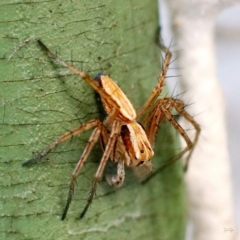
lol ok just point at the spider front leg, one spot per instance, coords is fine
(161, 81)
(116, 128)
(94, 84)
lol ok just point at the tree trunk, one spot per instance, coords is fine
(41, 101)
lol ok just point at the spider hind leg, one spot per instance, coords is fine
(160, 111)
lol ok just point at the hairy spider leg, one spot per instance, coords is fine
(99, 131)
(179, 106)
(91, 124)
(158, 88)
(116, 128)
(162, 110)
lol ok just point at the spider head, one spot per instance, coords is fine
(137, 146)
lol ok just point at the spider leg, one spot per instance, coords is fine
(161, 81)
(162, 110)
(179, 106)
(99, 131)
(91, 124)
(94, 84)
(116, 127)
(151, 123)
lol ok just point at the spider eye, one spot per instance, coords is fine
(141, 151)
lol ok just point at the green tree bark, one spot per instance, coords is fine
(40, 101)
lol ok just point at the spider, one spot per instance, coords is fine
(122, 138)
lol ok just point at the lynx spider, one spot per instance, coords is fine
(122, 138)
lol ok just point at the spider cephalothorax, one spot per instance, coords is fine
(122, 138)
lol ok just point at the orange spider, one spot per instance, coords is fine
(122, 138)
